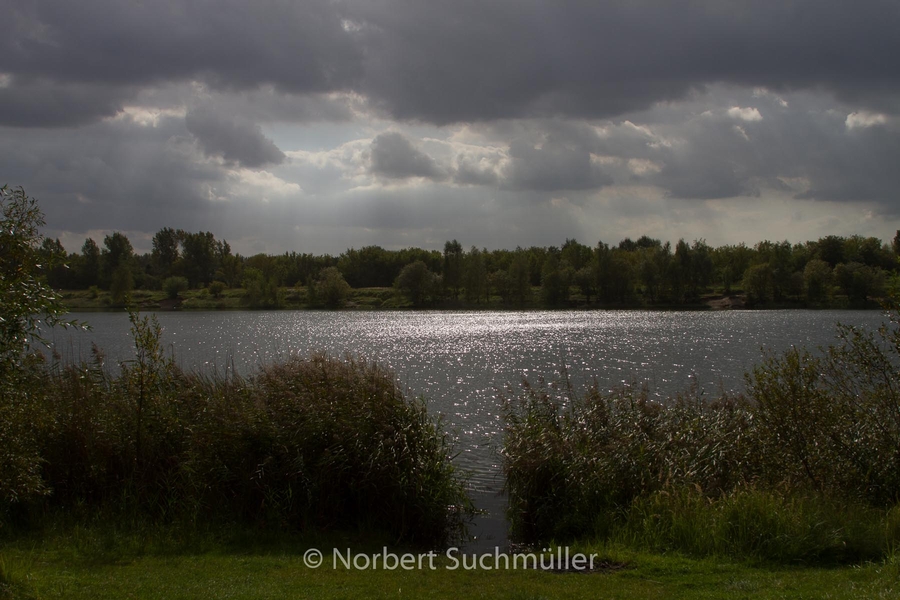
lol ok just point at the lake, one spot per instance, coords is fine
(459, 361)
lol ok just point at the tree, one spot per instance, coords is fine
(90, 263)
(120, 285)
(331, 289)
(554, 287)
(27, 303)
(519, 279)
(54, 255)
(859, 281)
(586, 280)
(26, 300)
(758, 283)
(817, 278)
(475, 276)
(416, 283)
(453, 265)
(117, 252)
(165, 251)
(199, 257)
(174, 286)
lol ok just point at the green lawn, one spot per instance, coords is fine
(87, 565)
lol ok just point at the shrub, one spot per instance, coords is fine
(331, 289)
(26, 302)
(312, 443)
(216, 288)
(772, 475)
(174, 286)
(570, 459)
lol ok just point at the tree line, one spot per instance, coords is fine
(645, 271)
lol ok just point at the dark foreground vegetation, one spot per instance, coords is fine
(806, 467)
(310, 444)
(144, 480)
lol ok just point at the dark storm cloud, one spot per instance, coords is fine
(113, 175)
(553, 165)
(394, 156)
(468, 60)
(41, 103)
(476, 60)
(233, 43)
(235, 141)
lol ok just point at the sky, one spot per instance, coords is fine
(319, 125)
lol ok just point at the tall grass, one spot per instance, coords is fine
(313, 443)
(805, 467)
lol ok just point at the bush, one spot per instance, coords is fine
(772, 475)
(26, 302)
(174, 286)
(570, 459)
(312, 443)
(216, 288)
(331, 289)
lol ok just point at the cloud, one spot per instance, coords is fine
(863, 119)
(552, 165)
(338, 122)
(393, 156)
(236, 142)
(465, 61)
(42, 103)
(744, 114)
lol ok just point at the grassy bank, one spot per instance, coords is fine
(99, 563)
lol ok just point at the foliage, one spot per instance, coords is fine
(27, 306)
(174, 286)
(262, 291)
(216, 288)
(309, 444)
(806, 467)
(417, 283)
(331, 289)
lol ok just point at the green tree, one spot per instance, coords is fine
(200, 257)
(475, 276)
(26, 300)
(174, 286)
(331, 289)
(519, 279)
(859, 281)
(27, 303)
(586, 280)
(54, 256)
(758, 283)
(90, 264)
(416, 283)
(554, 287)
(817, 281)
(165, 251)
(453, 267)
(261, 291)
(117, 253)
(121, 285)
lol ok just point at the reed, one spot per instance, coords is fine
(805, 467)
(314, 443)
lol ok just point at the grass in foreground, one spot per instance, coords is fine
(97, 563)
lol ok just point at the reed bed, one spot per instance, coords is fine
(312, 444)
(805, 466)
